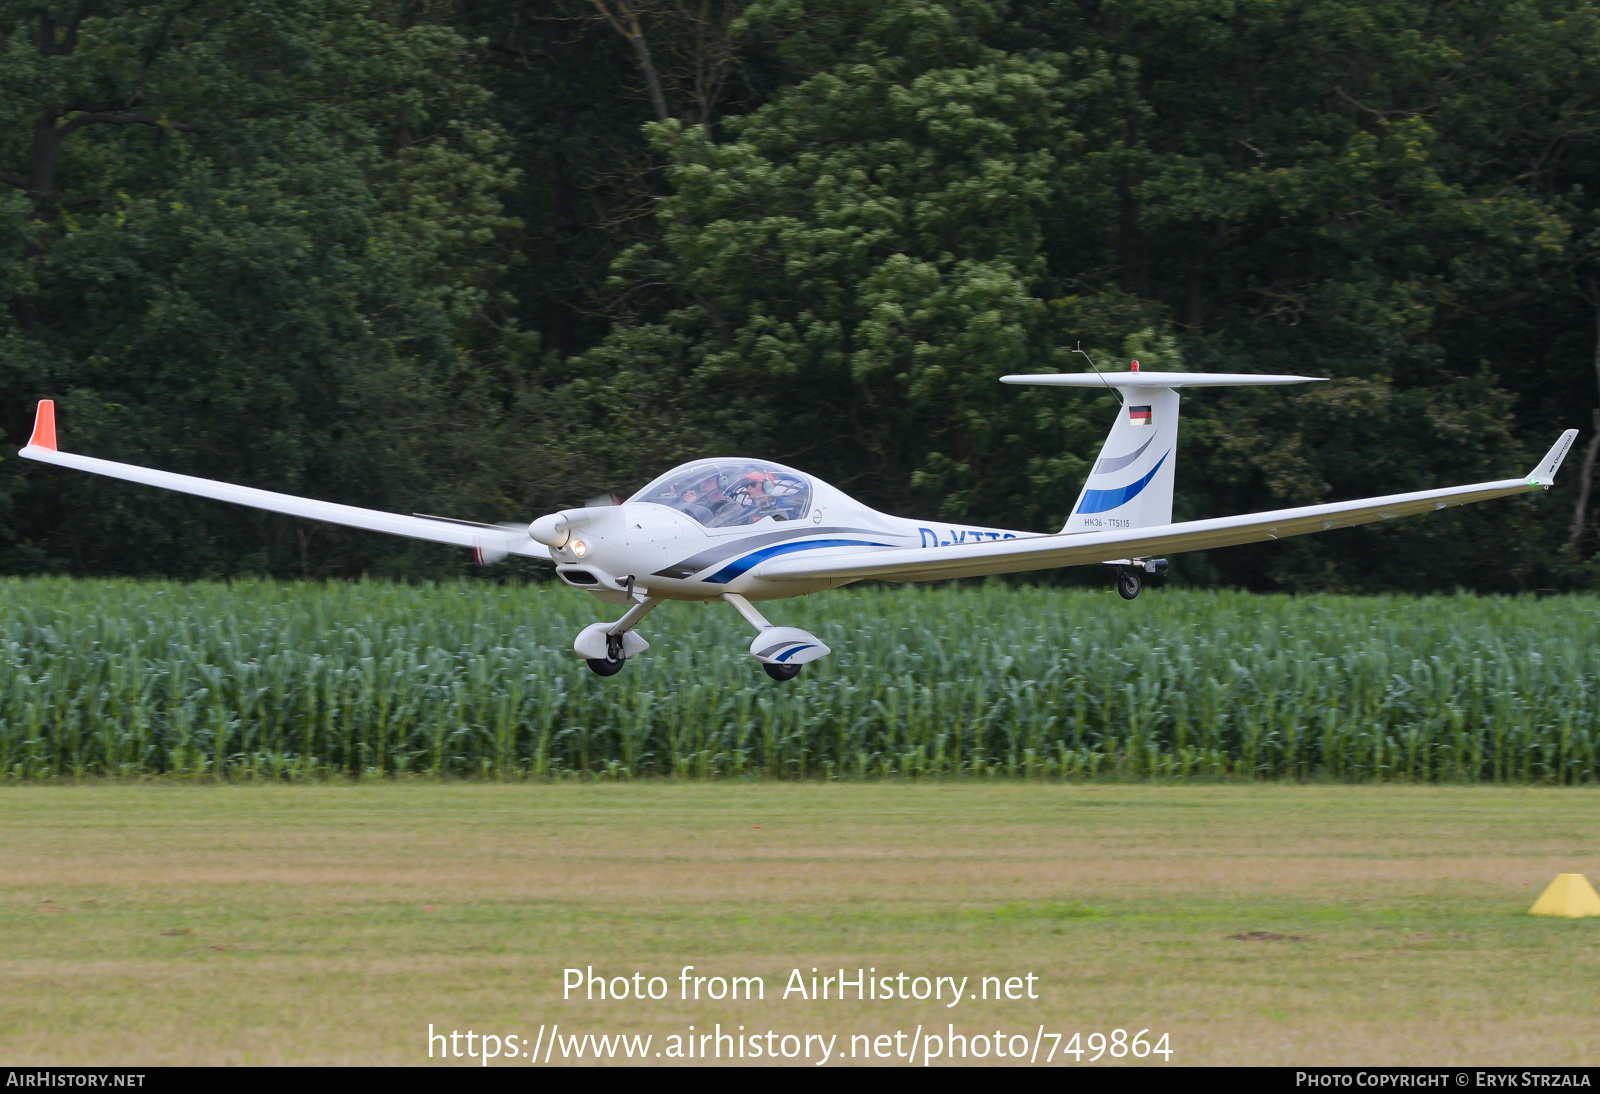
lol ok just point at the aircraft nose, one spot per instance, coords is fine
(552, 530)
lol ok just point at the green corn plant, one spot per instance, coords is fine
(264, 680)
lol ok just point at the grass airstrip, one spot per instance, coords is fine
(1267, 924)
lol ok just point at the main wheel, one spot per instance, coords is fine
(606, 667)
(781, 672)
(1128, 583)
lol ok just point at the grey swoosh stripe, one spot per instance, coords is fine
(1117, 463)
(739, 544)
(770, 650)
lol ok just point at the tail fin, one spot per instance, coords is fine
(1130, 484)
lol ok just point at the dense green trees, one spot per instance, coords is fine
(489, 257)
(246, 240)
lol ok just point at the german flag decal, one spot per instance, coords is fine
(1138, 415)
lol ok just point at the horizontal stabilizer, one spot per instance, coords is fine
(1153, 379)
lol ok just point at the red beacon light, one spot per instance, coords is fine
(1134, 366)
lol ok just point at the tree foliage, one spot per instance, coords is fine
(486, 259)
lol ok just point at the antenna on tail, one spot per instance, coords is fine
(1086, 357)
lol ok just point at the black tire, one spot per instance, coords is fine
(781, 672)
(606, 667)
(1128, 584)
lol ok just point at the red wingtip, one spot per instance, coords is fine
(44, 426)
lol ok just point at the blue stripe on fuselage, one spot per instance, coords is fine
(755, 558)
(1100, 501)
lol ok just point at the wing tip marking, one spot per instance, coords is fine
(1545, 473)
(44, 426)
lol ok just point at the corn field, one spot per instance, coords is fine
(263, 680)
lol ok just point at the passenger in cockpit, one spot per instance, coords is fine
(731, 493)
(778, 497)
(753, 496)
(690, 504)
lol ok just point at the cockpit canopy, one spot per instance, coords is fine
(730, 493)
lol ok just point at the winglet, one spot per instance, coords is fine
(44, 426)
(1545, 473)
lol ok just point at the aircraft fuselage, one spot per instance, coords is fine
(671, 555)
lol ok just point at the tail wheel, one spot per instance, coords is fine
(1128, 583)
(777, 672)
(606, 667)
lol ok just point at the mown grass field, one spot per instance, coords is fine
(164, 923)
(270, 681)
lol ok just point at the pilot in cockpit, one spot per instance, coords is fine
(689, 502)
(731, 494)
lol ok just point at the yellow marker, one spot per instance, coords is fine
(1569, 895)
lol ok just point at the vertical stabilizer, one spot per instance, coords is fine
(1130, 484)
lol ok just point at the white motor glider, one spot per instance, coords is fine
(744, 530)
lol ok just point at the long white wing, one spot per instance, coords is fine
(490, 541)
(1048, 552)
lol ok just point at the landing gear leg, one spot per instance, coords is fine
(612, 662)
(781, 650)
(1130, 573)
(616, 639)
